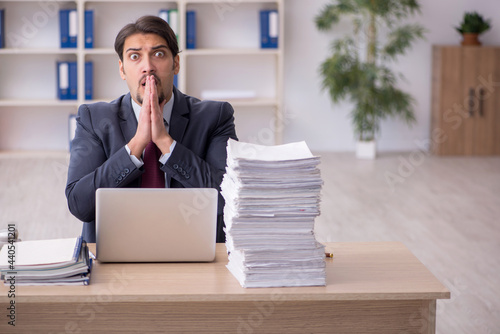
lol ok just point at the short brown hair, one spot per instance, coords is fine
(148, 24)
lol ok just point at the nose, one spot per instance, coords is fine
(148, 66)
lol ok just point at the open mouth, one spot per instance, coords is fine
(143, 82)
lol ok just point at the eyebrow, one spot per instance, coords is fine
(161, 46)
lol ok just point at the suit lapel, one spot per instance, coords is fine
(179, 118)
(128, 122)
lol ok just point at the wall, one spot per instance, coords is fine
(327, 127)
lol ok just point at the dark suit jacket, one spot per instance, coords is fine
(99, 158)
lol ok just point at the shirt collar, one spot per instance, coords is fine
(167, 109)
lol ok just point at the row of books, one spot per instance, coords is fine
(171, 17)
(68, 28)
(46, 262)
(67, 80)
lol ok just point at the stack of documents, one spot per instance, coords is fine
(46, 262)
(272, 196)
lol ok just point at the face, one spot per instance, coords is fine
(148, 54)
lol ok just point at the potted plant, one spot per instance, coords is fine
(471, 27)
(358, 65)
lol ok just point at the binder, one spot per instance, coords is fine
(2, 28)
(273, 29)
(73, 27)
(89, 80)
(163, 13)
(73, 80)
(175, 80)
(173, 21)
(89, 29)
(191, 29)
(64, 27)
(68, 27)
(63, 80)
(269, 29)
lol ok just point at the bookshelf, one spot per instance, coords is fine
(228, 56)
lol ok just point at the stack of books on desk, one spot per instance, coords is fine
(46, 262)
(272, 196)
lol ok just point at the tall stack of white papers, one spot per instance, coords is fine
(272, 196)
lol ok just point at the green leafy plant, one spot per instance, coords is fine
(358, 65)
(473, 23)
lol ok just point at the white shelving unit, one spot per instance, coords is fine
(228, 56)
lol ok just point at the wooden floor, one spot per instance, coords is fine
(446, 211)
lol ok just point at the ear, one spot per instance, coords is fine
(176, 64)
(122, 71)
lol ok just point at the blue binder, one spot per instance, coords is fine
(269, 29)
(2, 28)
(175, 80)
(89, 29)
(73, 81)
(89, 80)
(191, 29)
(68, 27)
(63, 80)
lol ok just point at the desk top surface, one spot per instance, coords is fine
(358, 271)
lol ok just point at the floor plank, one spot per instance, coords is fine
(445, 210)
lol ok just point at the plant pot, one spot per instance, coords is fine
(470, 39)
(366, 150)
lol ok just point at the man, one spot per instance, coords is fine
(111, 138)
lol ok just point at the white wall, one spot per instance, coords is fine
(327, 127)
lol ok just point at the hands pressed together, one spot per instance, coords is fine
(150, 124)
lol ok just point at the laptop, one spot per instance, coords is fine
(156, 225)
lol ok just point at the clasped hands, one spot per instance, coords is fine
(150, 124)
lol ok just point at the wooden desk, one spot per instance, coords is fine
(377, 287)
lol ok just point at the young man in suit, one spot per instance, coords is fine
(111, 138)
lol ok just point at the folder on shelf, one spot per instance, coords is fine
(73, 80)
(89, 29)
(171, 17)
(269, 29)
(67, 80)
(175, 80)
(68, 25)
(89, 80)
(173, 21)
(2, 28)
(63, 80)
(163, 13)
(191, 29)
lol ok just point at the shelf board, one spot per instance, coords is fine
(100, 51)
(38, 103)
(257, 102)
(38, 51)
(230, 52)
(177, 1)
(234, 3)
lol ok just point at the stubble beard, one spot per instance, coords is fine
(161, 98)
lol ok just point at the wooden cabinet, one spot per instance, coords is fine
(465, 100)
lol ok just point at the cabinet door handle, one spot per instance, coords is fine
(471, 101)
(481, 98)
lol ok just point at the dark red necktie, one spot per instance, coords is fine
(153, 176)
